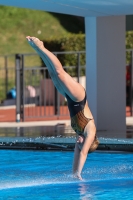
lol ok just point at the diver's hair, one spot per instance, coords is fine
(94, 145)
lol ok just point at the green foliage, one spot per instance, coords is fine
(17, 23)
(129, 45)
(68, 43)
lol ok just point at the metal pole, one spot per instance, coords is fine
(17, 61)
(56, 110)
(131, 85)
(6, 76)
(56, 100)
(22, 94)
(78, 67)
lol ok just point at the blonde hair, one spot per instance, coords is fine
(94, 145)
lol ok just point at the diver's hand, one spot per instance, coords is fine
(77, 175)
(80, 139)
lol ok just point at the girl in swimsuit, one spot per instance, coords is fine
(81, 117)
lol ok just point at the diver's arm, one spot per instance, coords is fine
(91, 130)
(76, 158)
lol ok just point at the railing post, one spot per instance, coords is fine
(6, 76)
(55, 101)
(131, 86)
(22, 94)
(17, 62)
(57, 106)
(78, 66)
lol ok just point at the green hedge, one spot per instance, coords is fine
(72, 42)
(129, 45)
(76, 42)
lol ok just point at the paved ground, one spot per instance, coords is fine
(38, 135)
(54, 124)
(62, 127)
(129, 122)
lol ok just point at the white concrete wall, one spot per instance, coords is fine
(105, 71)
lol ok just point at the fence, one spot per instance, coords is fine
(37, 98)
(7, 75)
(129, 81)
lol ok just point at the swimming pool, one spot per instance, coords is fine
(46, 175)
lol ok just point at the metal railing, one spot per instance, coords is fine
(7, 75)
(36, 95)
(129, 81)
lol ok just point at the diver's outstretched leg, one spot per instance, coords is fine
(63, 81)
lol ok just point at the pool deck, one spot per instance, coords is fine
(129, 121)
(63, 126)
(108, 140)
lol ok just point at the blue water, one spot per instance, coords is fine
(41, 175)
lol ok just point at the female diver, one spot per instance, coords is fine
(81, 117)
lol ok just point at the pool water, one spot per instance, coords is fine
(42, 175)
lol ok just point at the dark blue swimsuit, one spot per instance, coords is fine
(78, 119)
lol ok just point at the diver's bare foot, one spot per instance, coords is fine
(35, 43)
